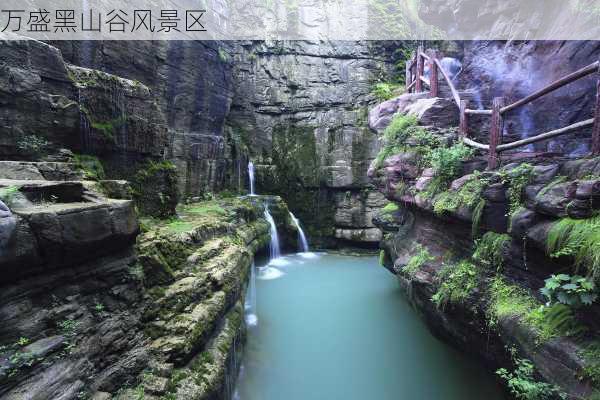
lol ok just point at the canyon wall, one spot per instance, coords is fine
(472, 246)
(297, 109)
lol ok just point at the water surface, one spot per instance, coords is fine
(338, 327)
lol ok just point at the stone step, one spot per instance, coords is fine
(53, 171)
(56, 235)
(35, 192)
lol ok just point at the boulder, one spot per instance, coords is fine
(382, 114)
(7, 225)
(437, 112)
(553, 200)
(370, 235)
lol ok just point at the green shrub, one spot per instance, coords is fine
(457, 283)
(522, 384)
(417, 261)
(390, 208)
(33, 146)
(396, 132)
(91, 166)
(578, 239)
(447, 161)
(591, 356)
(8, 194)
(488, 249)
(384, 90)
(569, 290)
(382, 257)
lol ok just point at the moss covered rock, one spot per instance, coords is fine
(155, 189)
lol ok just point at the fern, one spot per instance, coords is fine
(417, 261)
(457, 283)
(578, 239)
(489, 249)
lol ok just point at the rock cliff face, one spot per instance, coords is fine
(298, 109)
(472, 247)
(85, 308)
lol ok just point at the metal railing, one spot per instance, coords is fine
(415, 80)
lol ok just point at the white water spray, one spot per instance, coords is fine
(301, 235)
(251, 176)
(250, 306)
(274, 245)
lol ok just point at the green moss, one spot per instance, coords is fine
(477, 215)
(206, 208)
(386, 90)
(382, 257)
(108, 128)
(390, 208)
(508, 300)
(394, 135)
(469, 195)
(516, 179)
(91, 166)
(155, 190)
(178, 226)
(489, 249)
(8, 194)
(417, 261)
(457, 283)
(578, 239)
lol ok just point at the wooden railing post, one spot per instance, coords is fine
(433, 76)
(495, 132)
(407, 75)
(596, 129)
(419, 83)
(463, 127)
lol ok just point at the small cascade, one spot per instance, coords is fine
(301, 236)
(250, 306)
(84, 124)
(274, 245)
(251, 176)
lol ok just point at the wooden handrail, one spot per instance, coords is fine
(546, 135)
(495, 146)
(475, 144)
(478, 112)
(565, 80)
(455, 94)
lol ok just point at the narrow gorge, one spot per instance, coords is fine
(298, 220)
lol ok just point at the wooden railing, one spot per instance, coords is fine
(415, 79)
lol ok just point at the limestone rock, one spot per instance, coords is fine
(437, 112)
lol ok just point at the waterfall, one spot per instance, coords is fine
(250, 306)
(274, 245)
(301, 235)
(84, 124)
(251, 176)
